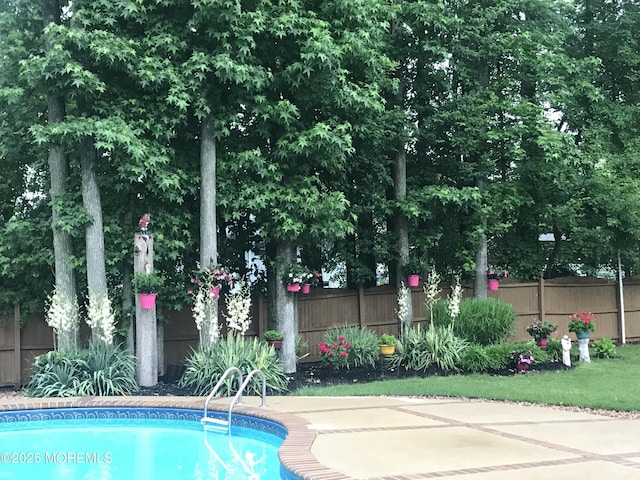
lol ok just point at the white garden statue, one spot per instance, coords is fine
(566, 350)
(583, 349)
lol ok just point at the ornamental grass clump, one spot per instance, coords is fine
(205, 366)
(582, 322)
(349, 347)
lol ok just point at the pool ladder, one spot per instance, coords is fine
(237, 399)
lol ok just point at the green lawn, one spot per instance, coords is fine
(611, 384)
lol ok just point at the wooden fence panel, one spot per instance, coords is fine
(553, 300)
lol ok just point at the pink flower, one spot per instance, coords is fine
(193, 280)
(216, 271)
(343, 354)
(189, 292)
(347, 344)
(341, 339)
(335, 346)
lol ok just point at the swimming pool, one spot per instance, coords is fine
(136, 443)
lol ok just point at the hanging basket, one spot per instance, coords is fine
(306, 288)
(493, 284)
(413, 280)
(293, 287)
(147, 300)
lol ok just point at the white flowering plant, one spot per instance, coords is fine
(238, 307)
(297, 273)
(62, 316)
(100, 318)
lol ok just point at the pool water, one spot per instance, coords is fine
(126, 444)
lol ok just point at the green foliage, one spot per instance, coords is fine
(386, 339)
(484, 321)
(347, 347)
(272, 335)
(206, 366)
(147, 282)
(554, 349)
(101, 369)
(440, 312)
(475, 359)
(603, 348)
(422, 347)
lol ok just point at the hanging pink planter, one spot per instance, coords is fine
(493, 283)
(306, 288)
(413, 280)
(293, 287)
(147, 300)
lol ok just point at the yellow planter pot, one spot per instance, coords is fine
(387, 349)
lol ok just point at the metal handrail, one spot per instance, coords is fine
(227, 372)
(243, 386)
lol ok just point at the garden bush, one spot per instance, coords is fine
(421, 347)
(206, 366)
(101, 370)
(475, 359)
(554, 349)
(484, 321)
(604, 348)
(349, 347)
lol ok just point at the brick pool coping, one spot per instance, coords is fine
(294, 453)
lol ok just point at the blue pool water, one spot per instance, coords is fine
(127, 444)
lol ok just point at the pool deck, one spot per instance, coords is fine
(404, 438)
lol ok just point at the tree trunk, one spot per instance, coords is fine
(127, 307)
(94, 234)
(208, 225)
(402, 226)
(59, 175)
(208, 230)
(285, 307)
(480, 281)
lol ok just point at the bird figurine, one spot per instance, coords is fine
(143, 223)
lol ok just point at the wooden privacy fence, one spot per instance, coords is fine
(375, 308)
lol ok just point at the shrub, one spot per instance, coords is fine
(475, 359)
(554, 349)
(350, 347)
(604, 348)
(440, 312)
(484, 321)
(499, 355)
(421, 347)
(99, 370)
(206, 366)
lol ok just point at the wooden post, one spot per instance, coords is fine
(361, 307)
(541, 298)
(17, 345)
(146, 323)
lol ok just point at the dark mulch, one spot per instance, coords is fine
(316, 375)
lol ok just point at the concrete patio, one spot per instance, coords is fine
(412, 438)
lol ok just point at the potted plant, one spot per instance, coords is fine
(387, 344)
(521, 359)
(582, 323)
(413, 268)
(273, 338)
(146, 285)
(494, 275)
(540, 332)
(294, 275)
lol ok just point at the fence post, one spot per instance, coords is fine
(361, 307)
(17, 345)
(541, 298)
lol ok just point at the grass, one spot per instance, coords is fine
(609, 384)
